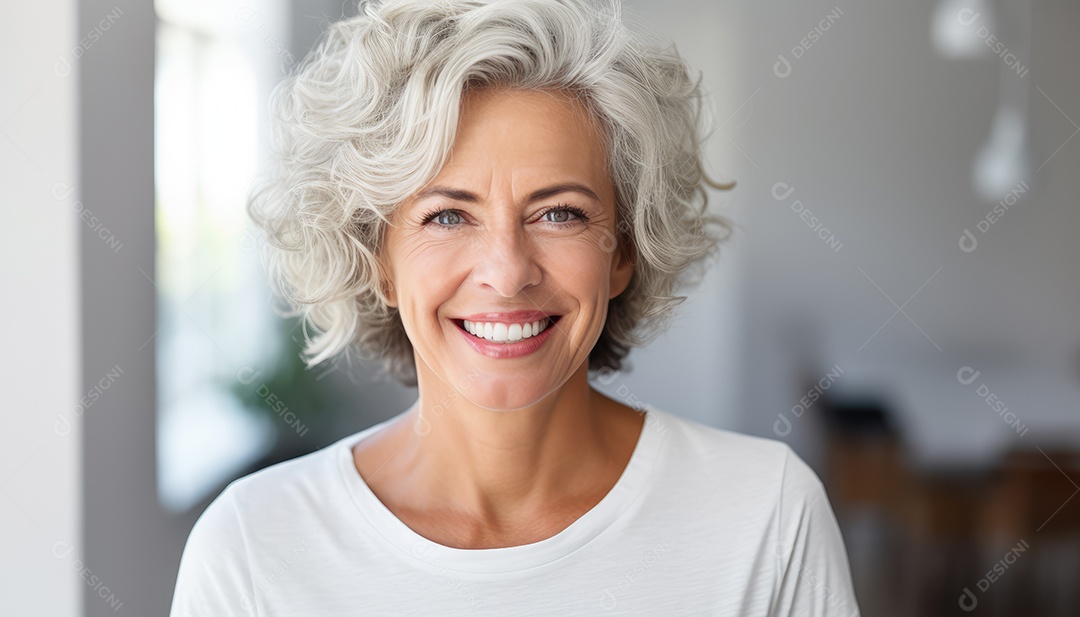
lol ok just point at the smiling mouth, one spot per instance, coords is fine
(512, 330)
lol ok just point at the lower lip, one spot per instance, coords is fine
(503, 351)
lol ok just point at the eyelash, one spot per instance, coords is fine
(433, 214)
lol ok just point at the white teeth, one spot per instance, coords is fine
(506, 333)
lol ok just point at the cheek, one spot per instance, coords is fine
(582, 262)
(427, 274)
(580, 273)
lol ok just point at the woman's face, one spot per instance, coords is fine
(519, 225)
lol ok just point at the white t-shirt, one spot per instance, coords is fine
(701, 522)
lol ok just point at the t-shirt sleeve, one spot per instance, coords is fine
(215, 576)
(815, 577)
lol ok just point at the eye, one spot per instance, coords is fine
(561, 214)
(445, 218)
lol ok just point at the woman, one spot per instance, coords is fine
(493, 200)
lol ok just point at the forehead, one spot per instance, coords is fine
(541, 131)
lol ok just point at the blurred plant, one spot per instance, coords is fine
(293, 397)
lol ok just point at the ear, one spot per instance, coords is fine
(387, 286)
(623, 267)
(391, 295)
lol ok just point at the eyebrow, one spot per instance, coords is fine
(463, 195)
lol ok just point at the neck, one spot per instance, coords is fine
(500, 466)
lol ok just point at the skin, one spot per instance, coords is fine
(504, 452)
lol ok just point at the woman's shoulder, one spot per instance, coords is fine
(760, 465)
(254, 520)
(303, 482)
(286, 477)
(705, 442)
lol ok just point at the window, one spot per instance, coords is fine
(216, 62)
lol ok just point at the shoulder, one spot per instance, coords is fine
(253, 520)
(718, 450)
(265, 502)
(763, 475)
(288, 482)
(771, 494)
(275, 491)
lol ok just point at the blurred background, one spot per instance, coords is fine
(900, 301)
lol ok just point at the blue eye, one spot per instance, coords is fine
(439, 214)
(442, 216)
(565, 209)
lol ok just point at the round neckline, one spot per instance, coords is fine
(489, 562)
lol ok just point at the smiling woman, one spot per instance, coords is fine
(493, 199)
(516, 240)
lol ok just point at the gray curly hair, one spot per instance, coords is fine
(369, 116)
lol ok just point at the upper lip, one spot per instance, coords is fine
(510, 317)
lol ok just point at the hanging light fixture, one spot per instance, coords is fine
(956, 26)
(1005, 159)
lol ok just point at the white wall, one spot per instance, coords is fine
(876, 134)
(130, 542)
(40, 500)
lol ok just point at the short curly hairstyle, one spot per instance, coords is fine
(369, 116)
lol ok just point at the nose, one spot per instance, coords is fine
(507, 259)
